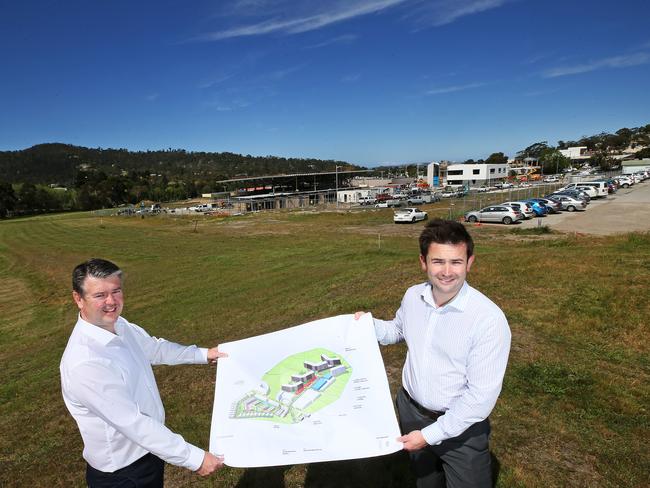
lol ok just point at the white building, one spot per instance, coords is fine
(577, 153)
(476, 174)
(634, 165)
(352, 196)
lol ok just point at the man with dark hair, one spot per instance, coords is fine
(458, 345)
(110, 390)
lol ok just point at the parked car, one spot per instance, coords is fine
(590, 190)
(387, 203)
(483, 189)
(540, 209)
(624, 182)
(569, 203)
(580, 195)
(410, 214)
(524, 207)
(367, 200)
(553, 206)
(551, 179)
(415, 200)
(495, 213)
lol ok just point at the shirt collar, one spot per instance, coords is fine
(95, 332)
(459, 302)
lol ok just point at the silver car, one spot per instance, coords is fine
(569, 203)
(495, 213)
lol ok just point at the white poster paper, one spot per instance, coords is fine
(310, 393)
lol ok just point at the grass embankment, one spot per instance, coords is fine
(573, 411)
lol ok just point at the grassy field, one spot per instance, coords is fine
(574, 407)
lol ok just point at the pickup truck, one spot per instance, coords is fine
(367, 200)
(410, 214)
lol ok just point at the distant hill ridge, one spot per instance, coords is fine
(58, 163)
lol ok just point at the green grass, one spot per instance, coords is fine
(574, 406)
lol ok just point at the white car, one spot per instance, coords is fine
(524, 207)
(410, 214)
(589, 190)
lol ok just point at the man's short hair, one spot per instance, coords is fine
(97, 268)
(442, 231)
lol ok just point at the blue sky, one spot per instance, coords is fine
(364, 81)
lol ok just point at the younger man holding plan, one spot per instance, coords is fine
(458, 345)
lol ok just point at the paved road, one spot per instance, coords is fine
(628, 210)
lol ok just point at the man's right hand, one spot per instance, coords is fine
(210, 464)
(358, 315)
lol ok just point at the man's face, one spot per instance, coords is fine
(102, 301)
(446, 266)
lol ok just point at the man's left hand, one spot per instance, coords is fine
(413, 441)
(214, 354)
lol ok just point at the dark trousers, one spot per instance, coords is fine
(146, 472)
(460, 462)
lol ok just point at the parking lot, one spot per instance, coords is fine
(628, 210)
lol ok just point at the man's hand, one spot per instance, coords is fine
(358, 315)
(214, 354)
(413, 441)
(210, 464)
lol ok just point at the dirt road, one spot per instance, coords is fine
(628, 210)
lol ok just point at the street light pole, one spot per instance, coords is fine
(337, 185)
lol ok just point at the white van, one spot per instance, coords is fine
(600, 186)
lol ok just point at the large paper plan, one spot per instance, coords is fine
(310, 393)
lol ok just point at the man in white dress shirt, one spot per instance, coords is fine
(458, 345)
(110, 390)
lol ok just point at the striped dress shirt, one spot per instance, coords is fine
(456, 359)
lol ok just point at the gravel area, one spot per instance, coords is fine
(628, 210)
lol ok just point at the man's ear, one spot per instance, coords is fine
(77, 299)
(423, 263)
(470, 261)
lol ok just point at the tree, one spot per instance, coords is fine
(497, 158)
(7, 199)
(534, 150)
(603, 161)
(643, 153)
(553, 161)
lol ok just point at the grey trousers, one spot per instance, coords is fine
(460, 462)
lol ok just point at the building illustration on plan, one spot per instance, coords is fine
(295, 388)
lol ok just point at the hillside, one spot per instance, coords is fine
(60, 163)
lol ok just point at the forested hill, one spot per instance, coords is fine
(59, 163)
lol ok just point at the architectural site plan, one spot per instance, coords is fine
(301, 394)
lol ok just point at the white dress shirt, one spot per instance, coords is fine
(457, 355)
(110, 390)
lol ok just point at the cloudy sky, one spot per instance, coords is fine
(364, 81)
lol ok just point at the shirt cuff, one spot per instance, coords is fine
(201, 355)
(433, 434)
(195, 459)
(380, 331)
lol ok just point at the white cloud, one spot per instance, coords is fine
(344, 39)
(288, 17)
(453, 10)
(351, 78)
(454, 88)
(307, 22)
(152, 97)
(616, 62)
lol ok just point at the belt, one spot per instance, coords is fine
(431, 414)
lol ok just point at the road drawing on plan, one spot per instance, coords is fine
(296, 387)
